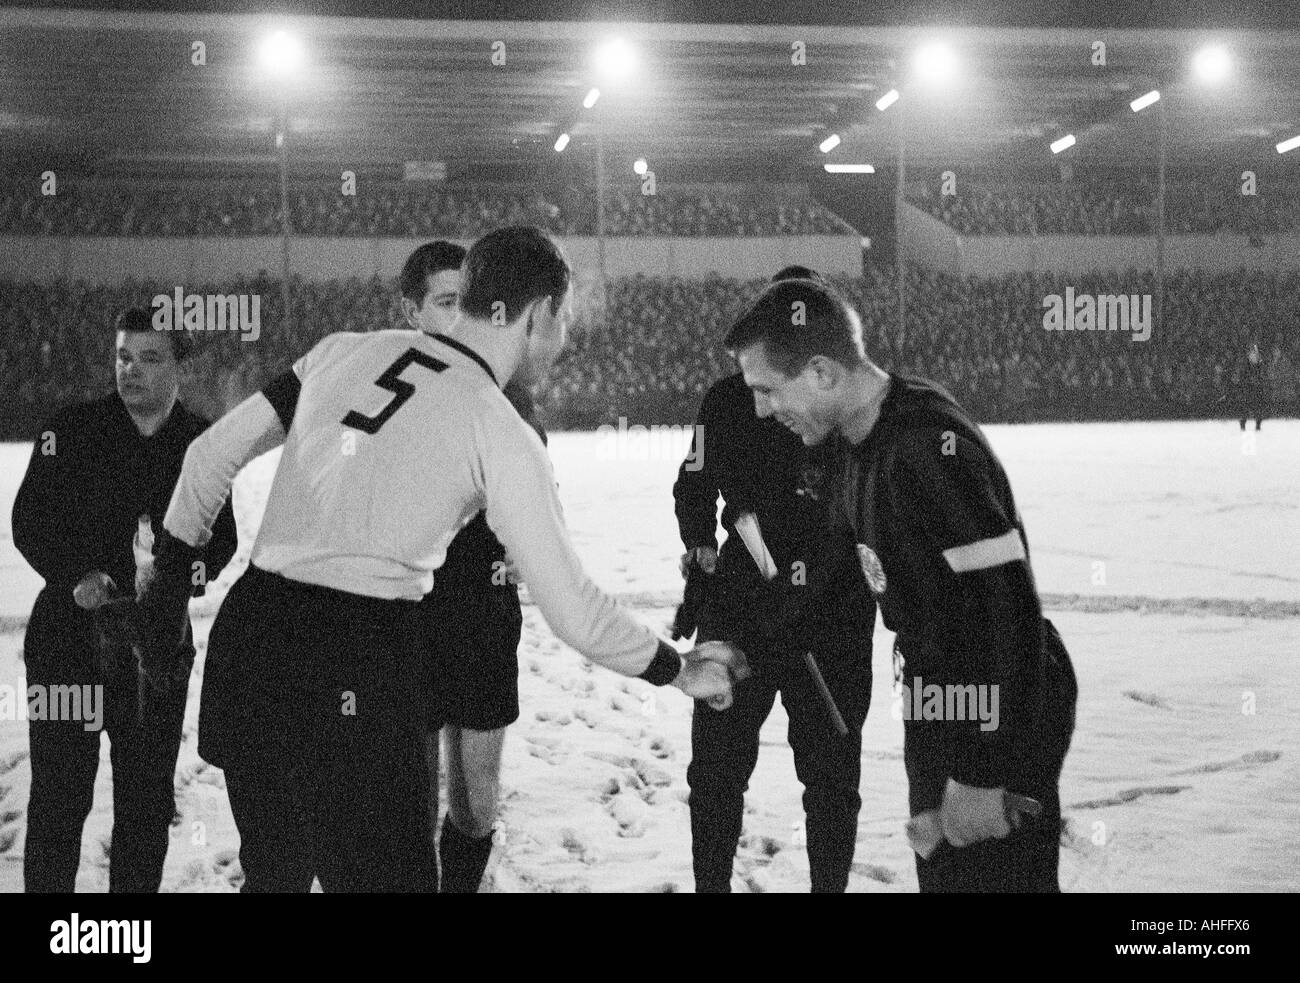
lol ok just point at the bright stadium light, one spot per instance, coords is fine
(281, 54)
(640, 166)
(1141, 102)
(936, 63)
(615, 59)
(1065, 143)
(849, 169)
(887, 100)
(830, 143)
(1286, 145)
(561, 143)
(1212, 64)
(590, 101)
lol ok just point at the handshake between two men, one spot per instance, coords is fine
(152, 624)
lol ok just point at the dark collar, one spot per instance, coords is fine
(893, 390)
(469, 353)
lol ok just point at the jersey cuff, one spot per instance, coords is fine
(664, 667)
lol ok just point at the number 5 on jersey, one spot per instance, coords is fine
(400, 388)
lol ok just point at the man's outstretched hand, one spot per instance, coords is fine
(709, 672)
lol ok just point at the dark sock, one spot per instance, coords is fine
(464, 859)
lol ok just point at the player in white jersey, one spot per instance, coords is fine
(392, 442)
(472, 627)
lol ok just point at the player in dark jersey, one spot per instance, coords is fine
(472, 624)
(818, 603)
(944, 550)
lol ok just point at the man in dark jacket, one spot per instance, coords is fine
(817, 602)
(989, 692)
(100, 478)
(1254, 388)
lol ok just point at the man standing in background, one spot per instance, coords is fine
(95, 492)
(1254, 388)
(817, 602)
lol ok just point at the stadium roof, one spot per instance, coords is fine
(115, 91)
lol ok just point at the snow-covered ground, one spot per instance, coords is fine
(1167, 556)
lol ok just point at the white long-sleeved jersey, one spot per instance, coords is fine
(393, 440)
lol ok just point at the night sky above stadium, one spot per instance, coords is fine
(1206, 14)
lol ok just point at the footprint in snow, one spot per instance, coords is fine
(1236, 764)
(1128, 795)
(631, 814)
(1150, 699)
(875, 872)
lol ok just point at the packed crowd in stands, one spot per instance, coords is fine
(1094, 204)
(387, 209)
(705, 213)
(1100, 206)
(652, 354)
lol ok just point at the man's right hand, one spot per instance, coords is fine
(94, 589)
(705, 557)
(710, 670)
(971, 815)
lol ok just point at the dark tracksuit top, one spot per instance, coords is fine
(759, 466)
(944, 550)
(77, 510)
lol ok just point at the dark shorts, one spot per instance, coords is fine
(471, 662)
(311, 705)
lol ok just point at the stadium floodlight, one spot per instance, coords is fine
(1286, 145)
(936, 63)
(1212, 64)
(1141, 102)
(830, 143)
(281, 54)
(849, 169)
(561, 143)
(615, 59)
(591, 98)
(887, 100)
(1065, 143)
(640, 166)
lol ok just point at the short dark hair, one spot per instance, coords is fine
(799, 273)
(829, 326)
(515, 266)
(424, 262)
(138, 319)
